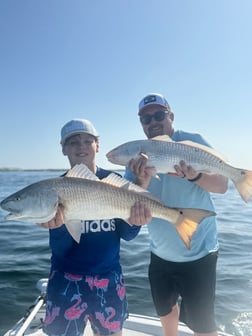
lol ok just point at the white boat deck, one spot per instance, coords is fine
(135, 325)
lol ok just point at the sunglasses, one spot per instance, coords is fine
(157, 116)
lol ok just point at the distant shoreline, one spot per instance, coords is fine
(4, 169)
(30, 169)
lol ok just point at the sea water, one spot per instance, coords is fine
(25, 258)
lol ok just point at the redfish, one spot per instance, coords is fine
(85, 197)
(163, 154)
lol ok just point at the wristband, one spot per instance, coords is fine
(195, 178)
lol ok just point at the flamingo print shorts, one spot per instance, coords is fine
(72, 300)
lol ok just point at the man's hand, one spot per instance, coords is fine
(142, 172)
(211, 182)
(185, 171)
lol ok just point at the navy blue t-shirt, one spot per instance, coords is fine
(99, 246)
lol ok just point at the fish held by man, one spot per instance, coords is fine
(85, 197)
(163, 154)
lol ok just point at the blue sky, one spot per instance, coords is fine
(62, 59)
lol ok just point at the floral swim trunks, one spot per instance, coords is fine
(72, 300)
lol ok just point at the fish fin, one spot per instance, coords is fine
(203, 147)
(120, 182)
(191, 144)
(164, 137)
(116, 181)
(188, 221)
(74, 228)
(82, 171)
(244, 185)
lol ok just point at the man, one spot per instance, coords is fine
(175, 271)
(86, 280)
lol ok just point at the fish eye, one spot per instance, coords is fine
(17, 198)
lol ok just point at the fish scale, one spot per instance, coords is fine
(113, 201)
(164, 154)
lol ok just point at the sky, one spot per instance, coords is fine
(65, 59)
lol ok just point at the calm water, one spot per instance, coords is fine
(25, 258)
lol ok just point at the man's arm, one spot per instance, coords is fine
(211, 182)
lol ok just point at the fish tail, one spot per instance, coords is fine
(244, 184)
(188, 221)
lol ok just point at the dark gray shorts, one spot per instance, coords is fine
(194, 282)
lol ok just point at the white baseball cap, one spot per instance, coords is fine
(77, 126)
(153, 99)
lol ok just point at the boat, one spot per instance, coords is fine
(136, 325)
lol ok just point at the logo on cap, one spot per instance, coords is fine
(150, 99)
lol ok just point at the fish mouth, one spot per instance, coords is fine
(7, 207)
(110, 156)
(13, 215)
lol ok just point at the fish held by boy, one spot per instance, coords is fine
(163, 154)
(85, 197)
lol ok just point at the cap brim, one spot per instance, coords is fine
(76, 133)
